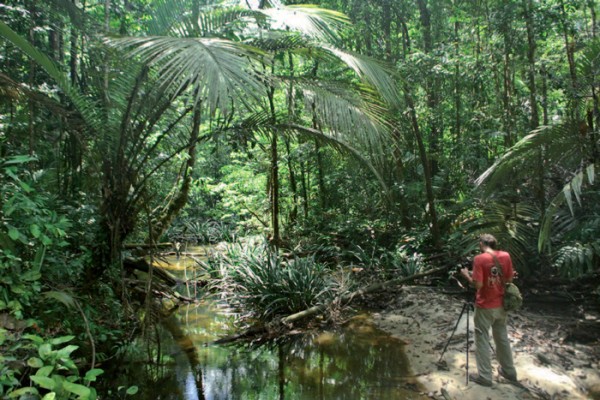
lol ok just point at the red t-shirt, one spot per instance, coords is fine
(485, 271)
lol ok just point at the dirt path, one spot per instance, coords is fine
(549, 367)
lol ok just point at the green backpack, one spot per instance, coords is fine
(512, 297)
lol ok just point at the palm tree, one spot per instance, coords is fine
(224, 59)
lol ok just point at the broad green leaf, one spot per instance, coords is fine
(22, 391)
(45, 371)
(13, 233)
(18, 289)
(30, 276)
(66, 351)
(132, 390)
(35, 362)
(82, 391)
(44, 381)
(35, 230)
(45, 350)
(49, 396)
(67, 362)
(46, 241)
(34, 338)
(61, 339)
(91, 375)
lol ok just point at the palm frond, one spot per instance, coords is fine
(349, 112)
(572, 188)
(275, 41)
(560, 143)
(312, 21)
(514, 225)
(376, 73)
(217, 71)
(338, 144)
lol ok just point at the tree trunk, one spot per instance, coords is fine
(534, 118)
(434, 225)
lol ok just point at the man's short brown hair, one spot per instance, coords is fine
(488, 240)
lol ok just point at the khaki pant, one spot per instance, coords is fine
(496, 319)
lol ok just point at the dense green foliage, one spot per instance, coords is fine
(380, 135)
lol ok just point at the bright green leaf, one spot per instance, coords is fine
(44, 381)
(13, 233)
(82, 391)
(61, 339)
(45, 350)
(35, 230)
(49, 396)
(34, 338)
(132, 390)
(91, 375)
(66, 351)
(45, 371)
(35, 362)
(22, 391)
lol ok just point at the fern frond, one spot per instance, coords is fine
(572, 188)
(577, 259)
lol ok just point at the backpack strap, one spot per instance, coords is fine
(498, 265)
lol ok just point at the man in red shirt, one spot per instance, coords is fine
(491, 269)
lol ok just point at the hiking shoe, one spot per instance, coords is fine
(479, 380)
(506, 376)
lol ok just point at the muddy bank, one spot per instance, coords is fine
(549, 364)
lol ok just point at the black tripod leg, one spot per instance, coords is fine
(467, 348)
(454, 330)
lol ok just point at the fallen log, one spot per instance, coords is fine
(141, 264)
(359, 293)
(260, 329)
(130, 246)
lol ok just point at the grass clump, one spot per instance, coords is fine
(262, 282)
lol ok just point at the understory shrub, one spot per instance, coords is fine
(266, 284)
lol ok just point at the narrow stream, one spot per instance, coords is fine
(357, 361)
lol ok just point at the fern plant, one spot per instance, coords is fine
(575, 260)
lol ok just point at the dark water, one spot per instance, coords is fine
(356, 361)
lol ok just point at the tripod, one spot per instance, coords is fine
(466, 307)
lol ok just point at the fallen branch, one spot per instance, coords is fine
(359, 293)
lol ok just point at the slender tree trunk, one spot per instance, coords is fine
(292, 174)
(592, 6)
(545, 116)
(304, 184)
(457, 91)
(386, 24)
(534, 118)
(433, 220)
(570, 51)
(431, 87)
(274, 179)
(32, 77)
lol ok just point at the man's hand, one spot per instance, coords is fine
(465, 272)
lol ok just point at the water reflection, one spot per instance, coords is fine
(356, 362)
